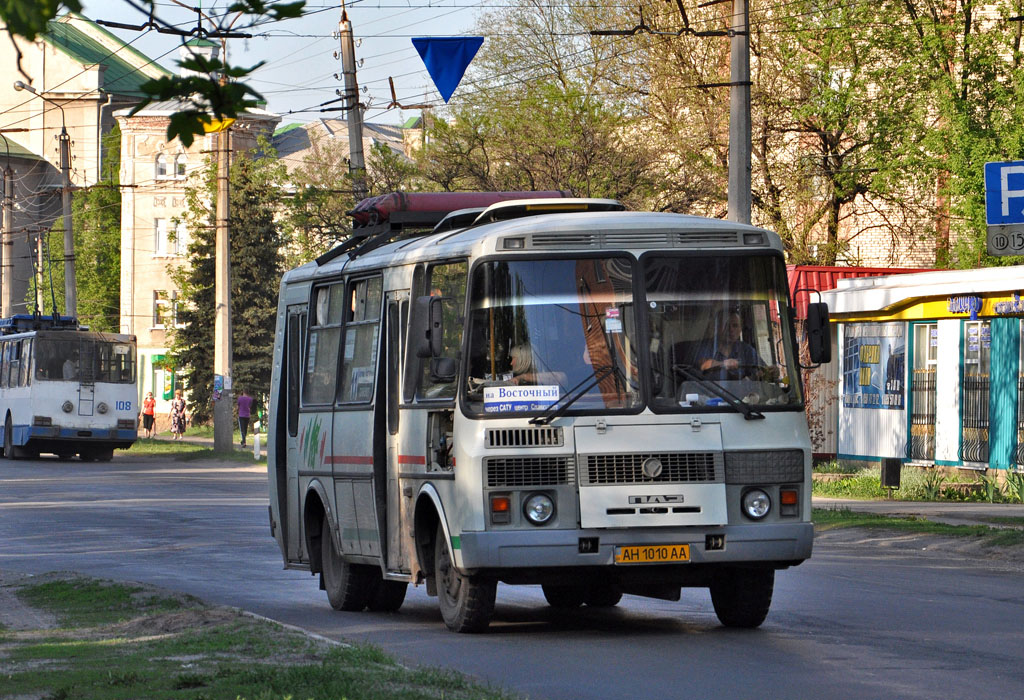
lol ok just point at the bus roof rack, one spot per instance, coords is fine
(379, 220)
(21, 323)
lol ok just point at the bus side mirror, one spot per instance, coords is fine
(819, 338)
(427, 326)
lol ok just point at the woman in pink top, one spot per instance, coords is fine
(148, 413)
(244, 413)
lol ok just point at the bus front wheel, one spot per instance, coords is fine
(11, 451)
(742, 597)
(348, 586)
(466, 602)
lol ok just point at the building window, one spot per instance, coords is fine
(180, 165)
(162, 167)
(165, 308)
(168, 241)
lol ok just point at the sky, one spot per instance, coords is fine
(300, 66)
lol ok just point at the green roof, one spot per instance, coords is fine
(201, 42)
(17, 151)
(123, 76)
(412, 123)
(287, 127)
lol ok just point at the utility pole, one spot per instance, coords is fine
(70, 295)
(223, 421)
(6, 241)
(739, 115)
(356, 165)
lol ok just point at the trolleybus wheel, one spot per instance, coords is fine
(348, 586)
(563, 597)
(602, 596)
(466, 602)
(742, 597)
(388, 596)
(10, 450)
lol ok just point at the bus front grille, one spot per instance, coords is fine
(528, 471)
(524, 437)
(667, 468)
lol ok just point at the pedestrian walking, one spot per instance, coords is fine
(178, 416)
(148, 413)
(244, 413)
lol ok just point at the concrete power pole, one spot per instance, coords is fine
(356, 164)
(223, 421)
(6, 243)
(739, 115)
(70, 293)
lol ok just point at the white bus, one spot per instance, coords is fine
(65, 390)
(549, 391)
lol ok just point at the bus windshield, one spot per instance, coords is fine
(543, 332)
(84, 360)
(719, 323)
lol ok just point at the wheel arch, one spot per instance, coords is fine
(316, 509)
(429, 513)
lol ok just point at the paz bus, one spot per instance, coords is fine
(534, 389)
(64, 389)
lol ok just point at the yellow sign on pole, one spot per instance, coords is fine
(215, 126)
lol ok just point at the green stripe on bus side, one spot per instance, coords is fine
(456, 542)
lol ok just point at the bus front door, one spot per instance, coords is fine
(394, 505)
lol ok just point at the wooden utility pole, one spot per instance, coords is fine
(739, 115)
(70, 284)
(6, 261)
(356, 163)
(223, 421)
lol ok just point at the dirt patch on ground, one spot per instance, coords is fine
(15, 615)
(975, 551)
(174, 622)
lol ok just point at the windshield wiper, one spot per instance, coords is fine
(551, 412)
(736, 402)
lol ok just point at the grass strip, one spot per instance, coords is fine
(828, 519)
(118, 642)
(187, 452)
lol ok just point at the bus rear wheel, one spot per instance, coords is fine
(742, 597)
(348, 586)
(388, 596)
(466, 602)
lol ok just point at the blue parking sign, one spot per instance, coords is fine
(1004, 193)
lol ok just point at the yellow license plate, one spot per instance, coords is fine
(655, 553)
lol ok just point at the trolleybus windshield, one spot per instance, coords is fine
(84, 359)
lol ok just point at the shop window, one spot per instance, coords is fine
(974, 417)
(922, 392)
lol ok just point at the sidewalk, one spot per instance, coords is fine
(940, 512)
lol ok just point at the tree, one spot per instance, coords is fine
(533, 116)
(256, 266)
(96, 224)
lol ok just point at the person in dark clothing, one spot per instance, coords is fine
(244, 413)
(728, 356)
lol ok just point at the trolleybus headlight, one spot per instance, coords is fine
(67, 407)
(102, 407)
(539, 508)
(756, 504)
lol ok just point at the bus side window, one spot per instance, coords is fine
(359, 363)
(446, 280)
(324, 343)
(293, 340)
(26, 362)
(4, 364)
(15, 373)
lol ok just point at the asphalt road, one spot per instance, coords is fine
(858, 620)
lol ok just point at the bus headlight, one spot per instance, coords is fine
(102, 407)
(539, 508)
(756, 504)
(67, 407)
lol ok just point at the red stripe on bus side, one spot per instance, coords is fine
(412, 459)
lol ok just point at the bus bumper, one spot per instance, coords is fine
(783, 543)
(81, 434)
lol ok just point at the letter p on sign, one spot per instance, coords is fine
(1004, 193)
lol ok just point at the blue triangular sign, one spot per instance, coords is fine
(447, 58)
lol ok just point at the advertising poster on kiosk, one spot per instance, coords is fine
(873, 365)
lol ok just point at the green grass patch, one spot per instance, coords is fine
(828, 519)
(119, 642)
(186, 452)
